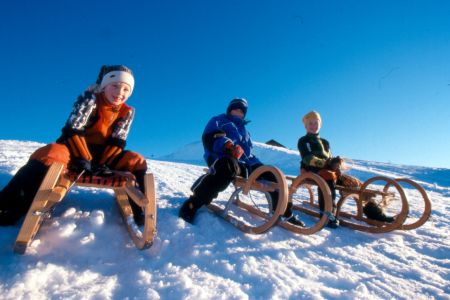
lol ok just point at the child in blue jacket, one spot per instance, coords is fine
(228, 153)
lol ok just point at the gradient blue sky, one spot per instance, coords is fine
(377, 71)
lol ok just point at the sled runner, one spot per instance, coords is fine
(385, 194)
(302, 193)
(58, 181)
(250, 206)
(254, 197)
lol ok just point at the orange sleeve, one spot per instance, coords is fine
(109, 154)
(78, 147)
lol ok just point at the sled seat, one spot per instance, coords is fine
(116, 180)
(58, 181)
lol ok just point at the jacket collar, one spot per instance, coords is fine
(315, 135)
(236, 120)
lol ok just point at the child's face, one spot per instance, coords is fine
(117, 92)
(237, 113)
(312, 125)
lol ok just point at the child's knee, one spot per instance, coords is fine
(52, 153)
(131, 161)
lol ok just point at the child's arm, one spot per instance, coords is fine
(117, 142)
(313, 157)
(74, 130)
(214, 137)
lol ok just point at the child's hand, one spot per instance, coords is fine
(335, 163)
(80, 164)
(234, 150)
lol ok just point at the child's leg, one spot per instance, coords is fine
(332, 187)
(135, 163)
(17, 195)
(222, 172)
(288, 213)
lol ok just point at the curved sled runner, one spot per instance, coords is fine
(253, 197)
(58, 181)
(302, 193)
(388, 194)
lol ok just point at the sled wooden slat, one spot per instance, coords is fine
(257, 186)
(245, 186)
(367, 192)
(54, 188)
(359, 221)
(33, 218)
(427, 205)
(147, 202)
(308, 180)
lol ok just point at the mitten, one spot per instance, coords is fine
(233, 150)
(79, 164)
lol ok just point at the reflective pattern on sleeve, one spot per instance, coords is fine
(81, 111)
(123, 125)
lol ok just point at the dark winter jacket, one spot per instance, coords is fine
(223, 128)
(314, 152)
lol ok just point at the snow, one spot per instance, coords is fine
(84, 251)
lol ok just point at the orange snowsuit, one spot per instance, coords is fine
(95, 131)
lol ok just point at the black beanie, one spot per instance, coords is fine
(238, 103)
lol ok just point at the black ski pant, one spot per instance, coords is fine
(222, 172)
(17, 196)
(332, 187)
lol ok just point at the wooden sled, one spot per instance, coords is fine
(261, 208)
(58, 181)
(390, 197)
(253, 200)
(302, 193)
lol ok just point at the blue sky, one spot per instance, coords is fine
(377, 71)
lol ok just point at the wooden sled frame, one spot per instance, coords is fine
(54, 187)
(308, 181)
(244, 186)
(360, 196)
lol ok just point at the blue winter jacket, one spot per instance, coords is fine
(223, 128)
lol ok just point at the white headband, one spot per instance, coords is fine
(118, 76)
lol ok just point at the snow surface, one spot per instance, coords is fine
(84, 251)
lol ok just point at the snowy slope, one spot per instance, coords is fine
(85, 252)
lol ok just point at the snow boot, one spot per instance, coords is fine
(375, 212)
(295, 221)
(188, 211)
(291, 218)
(138, 213)
(333, 223)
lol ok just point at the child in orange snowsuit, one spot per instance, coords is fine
(93, 140)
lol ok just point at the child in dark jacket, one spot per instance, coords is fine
(316, 157)
(228, 153)
(93, 140)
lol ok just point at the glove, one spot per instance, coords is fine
(102, 170)
(335, 163)
(233, 150)
(79, 164)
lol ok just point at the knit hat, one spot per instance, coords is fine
(311, 115)
(238, 103)
(116, 73)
